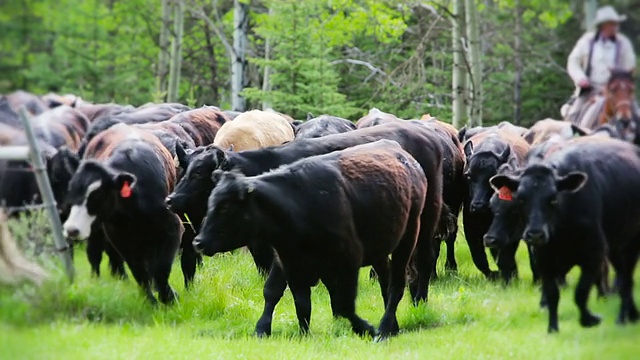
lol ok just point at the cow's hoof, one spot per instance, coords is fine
(263, 334)
(633, 315)
(590, 320)
(553, 329)
(493, 275)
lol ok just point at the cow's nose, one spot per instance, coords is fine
(490, 241)
(476, 206)
(197, 244)
(71, 233)
(534, 236)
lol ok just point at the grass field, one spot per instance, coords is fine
(467, 317)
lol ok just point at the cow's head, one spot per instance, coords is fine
(95, 191)
(507, 224)
(481, 166)
(537, 191)
(195, 185)
(225, 226)
(60, 169)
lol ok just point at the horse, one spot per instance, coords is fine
(617, 110)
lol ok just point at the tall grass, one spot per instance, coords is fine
(466, 317)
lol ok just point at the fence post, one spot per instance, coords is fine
(40, 172)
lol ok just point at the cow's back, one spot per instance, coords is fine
(610, 194)
(253, 130)
(137, 151)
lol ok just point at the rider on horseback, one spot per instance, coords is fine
(593, 57)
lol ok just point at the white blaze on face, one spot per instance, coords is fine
(79, 218)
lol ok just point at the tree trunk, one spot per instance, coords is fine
(176, 52)
(590, 7)
(163, 59)
(473, 34)
(238, 63)
(213, 67)
(517, 83)
(459, 86)
(266, 83)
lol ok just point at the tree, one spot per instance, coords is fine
(590, 7)
(459, 106)
(176, 51)
(475, 63)
(163, 58)
(238, 62)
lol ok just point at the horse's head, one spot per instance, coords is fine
(620, 94)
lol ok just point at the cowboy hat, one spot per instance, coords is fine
(608, 14)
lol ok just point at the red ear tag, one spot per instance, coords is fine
(505, 194)
(125, 191)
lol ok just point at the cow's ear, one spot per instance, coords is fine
(572, 182)
(497, 182)
(125, 183)
(216, 176)
(221, 158)
(468, 149)
(181, 154)
(504, 156)
(461, 133)
(578, 131)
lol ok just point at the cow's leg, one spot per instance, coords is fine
(451, 263)
(602, 282)
(398, 280)
(273, 290)
(161, 272)
(190, 258)
(552, 293)
(436, 254)
(342, 291)
(533, 264)
(382, 270)
(628, 309)
(116, 262)
(139, 271)
(262, 254)
(474, 230)
(424, 257)
(506, 260)
(302, 299)
(588, 277)
(95, 247)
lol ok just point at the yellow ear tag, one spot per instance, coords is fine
(176, 162)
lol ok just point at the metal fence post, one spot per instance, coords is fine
(48, 200)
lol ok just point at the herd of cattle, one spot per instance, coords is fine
(319, 199)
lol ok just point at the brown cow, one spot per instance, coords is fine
(375, 117)
(253, 130)
(543, 130)
(201, 124)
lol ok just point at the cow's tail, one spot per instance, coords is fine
(447, 223)
(14, 267)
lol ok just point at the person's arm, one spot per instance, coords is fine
(628, 61)
(574, 62)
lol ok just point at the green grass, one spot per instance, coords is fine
(467, 317)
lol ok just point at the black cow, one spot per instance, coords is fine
(323, 125)
(579, 202)
(485, 153)
(326, 216)
(454, 187)
(420, 141)
(121, 184)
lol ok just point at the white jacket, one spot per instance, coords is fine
(602, 59)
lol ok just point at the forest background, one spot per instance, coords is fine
(466, 61)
